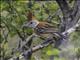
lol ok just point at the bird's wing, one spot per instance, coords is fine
(48, 25)
(44, 27)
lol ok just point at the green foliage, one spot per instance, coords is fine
(75, 38)
(78, 52)
(14, 14)
(29, 31)
(53, 52)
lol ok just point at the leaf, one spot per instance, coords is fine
(53, 52)
(29, 31)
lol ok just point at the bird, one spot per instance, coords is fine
(41, 28)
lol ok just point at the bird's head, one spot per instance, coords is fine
(31, 24)
(32, 21)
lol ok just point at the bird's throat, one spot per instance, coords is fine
(36, 24)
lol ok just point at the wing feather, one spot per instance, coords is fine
(44, 27)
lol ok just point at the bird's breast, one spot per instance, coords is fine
(42, 32)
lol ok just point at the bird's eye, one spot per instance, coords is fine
(31, 22)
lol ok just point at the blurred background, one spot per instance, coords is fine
(14, 13)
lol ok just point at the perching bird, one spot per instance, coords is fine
(42, 29)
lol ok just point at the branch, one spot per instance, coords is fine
(72, 29)
(70, 16)
(63, 6)
(31, 50)
(46, 43)
(24, 43)
(75, 13)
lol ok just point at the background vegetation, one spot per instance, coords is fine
(13, 15)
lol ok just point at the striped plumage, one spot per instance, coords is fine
(40, 28)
